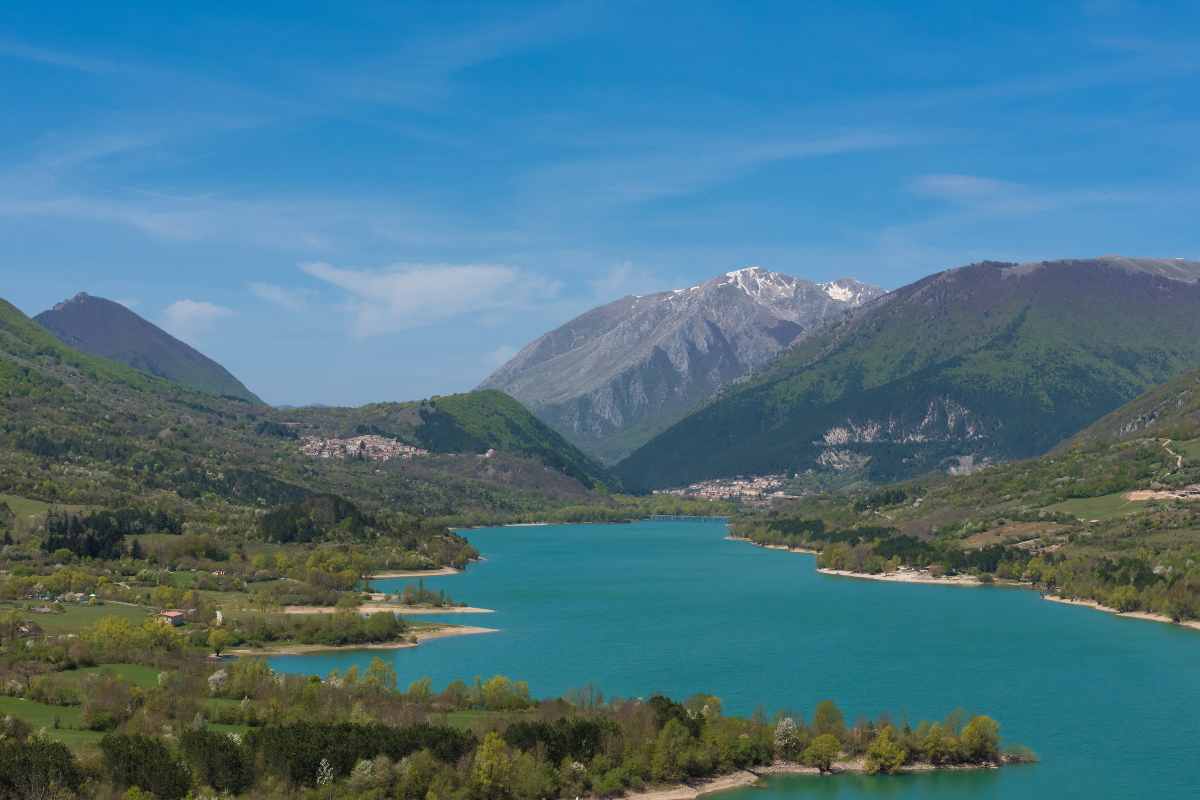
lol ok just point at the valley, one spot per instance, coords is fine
(276, 568)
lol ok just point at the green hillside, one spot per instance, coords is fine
(1111, 515)
(984, 363)
(78, 429)
(110, 330)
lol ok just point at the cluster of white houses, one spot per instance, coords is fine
(754, 487)
(369, 447)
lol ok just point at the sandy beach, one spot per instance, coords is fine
(697, 789)
(1142, 615)
(784, 547)
(393, 608)
(906, 576)
(736, 780)
(303, 649)
(413, 573)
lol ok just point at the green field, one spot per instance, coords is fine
(40, 716)
(1103, 507)
(136, 674)
(25, 508)
(1189, 450)
(79, 618)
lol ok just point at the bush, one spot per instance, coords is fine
(37, 768)
(218, 760)
(134, 760)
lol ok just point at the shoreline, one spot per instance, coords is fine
(786, 548)
(413, 573)
(903, 575)
(307, 649)
(921, 576)
(1145, 616)
(753, 775)
(373, 608)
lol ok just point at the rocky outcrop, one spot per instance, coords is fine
(613, 377)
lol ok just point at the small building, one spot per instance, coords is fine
(172, 617)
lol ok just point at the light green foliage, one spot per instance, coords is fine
(491, 772)
(981, 739)
(822, 751)
(671, 750)
(885, 754)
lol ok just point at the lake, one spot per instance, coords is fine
(1111, 705)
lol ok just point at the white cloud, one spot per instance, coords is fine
(962, 188)
(623, 280)
(414, 295)
(684, 166)
(190, 319)
(500, 356)
(290, 299)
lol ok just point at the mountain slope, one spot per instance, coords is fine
(110, 330)
(611, 378)
(985, 362)
(87, 430)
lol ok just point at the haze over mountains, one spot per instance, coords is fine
(614, 376)
(986, 362)
(110, 330)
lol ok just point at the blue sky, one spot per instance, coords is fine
(382, 203)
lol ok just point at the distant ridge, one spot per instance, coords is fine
(973, 365)
(107, 329)
(613, 377)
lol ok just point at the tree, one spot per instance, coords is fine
(219, 639)
(145, 762)
(981, 739)
(219, 760)
(670, 751)
(491, 774)
(938, 746)
(37, 769)
(827, 719)
(822, 752)
(380, 675)
(885, 754)
(789, 742)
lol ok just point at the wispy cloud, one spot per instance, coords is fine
(422, 69)
(682, 167)
(55, 58)
(625, 279)
(414, 295)
(981, 196)
(191, 319)
(497, 358)
(281, 296)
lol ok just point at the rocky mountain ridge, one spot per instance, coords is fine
(612, 377)
(976, 364)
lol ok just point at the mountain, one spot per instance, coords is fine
(110, 330)
(987, 362)
(80, 429)
(613, 377)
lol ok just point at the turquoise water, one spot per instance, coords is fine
(1111, 705)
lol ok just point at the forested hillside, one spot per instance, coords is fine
(1112, 515)
(110, 330)
(81, 429)
(970, 366)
